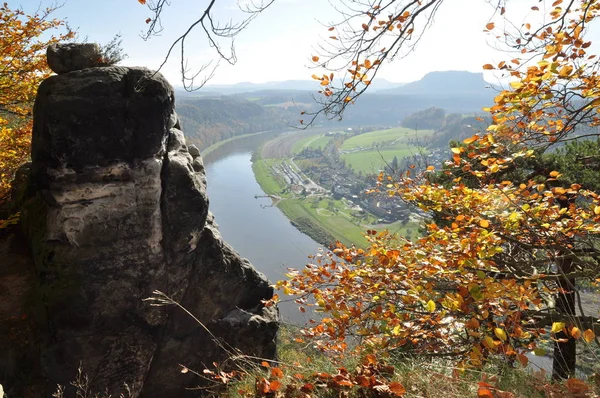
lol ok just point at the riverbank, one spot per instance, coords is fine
(316, 214)
(219, 144)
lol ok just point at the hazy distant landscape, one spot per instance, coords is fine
(209, 115)
(319, 176)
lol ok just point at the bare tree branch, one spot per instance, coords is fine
(213, 31)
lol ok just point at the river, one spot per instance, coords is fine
(252, 226)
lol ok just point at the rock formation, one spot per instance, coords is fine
(116, 207)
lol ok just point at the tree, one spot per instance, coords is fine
(23, 60)
(512, 234)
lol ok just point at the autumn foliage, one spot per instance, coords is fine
(509, 238)
(23, 42)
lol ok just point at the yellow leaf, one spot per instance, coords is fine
(516, 85)
(489, 342)
(589, 335)
(455, 150)
(430, 306)
(500, 333)
(565, 71)
(484, 223)
(471, 140)
(597, 210)
(554, 174)
(557, 327)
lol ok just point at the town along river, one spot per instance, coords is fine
(247, 219)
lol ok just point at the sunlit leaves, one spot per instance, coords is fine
(23, 43)
(499, 223)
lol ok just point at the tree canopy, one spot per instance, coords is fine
(510, 238)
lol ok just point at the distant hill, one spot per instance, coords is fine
(287, 85)
(210, 116)
(444, 84)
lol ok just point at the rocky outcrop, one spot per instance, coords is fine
(115, 208)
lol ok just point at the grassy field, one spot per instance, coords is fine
(366, 140)
(270, 182)
(337, 223)
(320, 142)
(370, 162)
(313, 141)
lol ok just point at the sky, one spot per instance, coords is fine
(279, 43)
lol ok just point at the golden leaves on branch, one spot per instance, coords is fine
(22, 55)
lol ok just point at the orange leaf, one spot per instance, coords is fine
(490, 26)
(576, 386)
(315, 58)
(471, 140)
(523, 360)
(488, 66)
(484, 224)
(277, 373)
(275, 385)
(589, 335)
(142, 1)
(265, 364)
(397, 388)
(484, 392)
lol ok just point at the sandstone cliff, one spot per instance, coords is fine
(115, 207)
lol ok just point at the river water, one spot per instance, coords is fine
(252, 226)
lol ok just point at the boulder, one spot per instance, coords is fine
(68, 57)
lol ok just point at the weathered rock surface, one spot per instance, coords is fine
(67, 57)
(115, 208)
